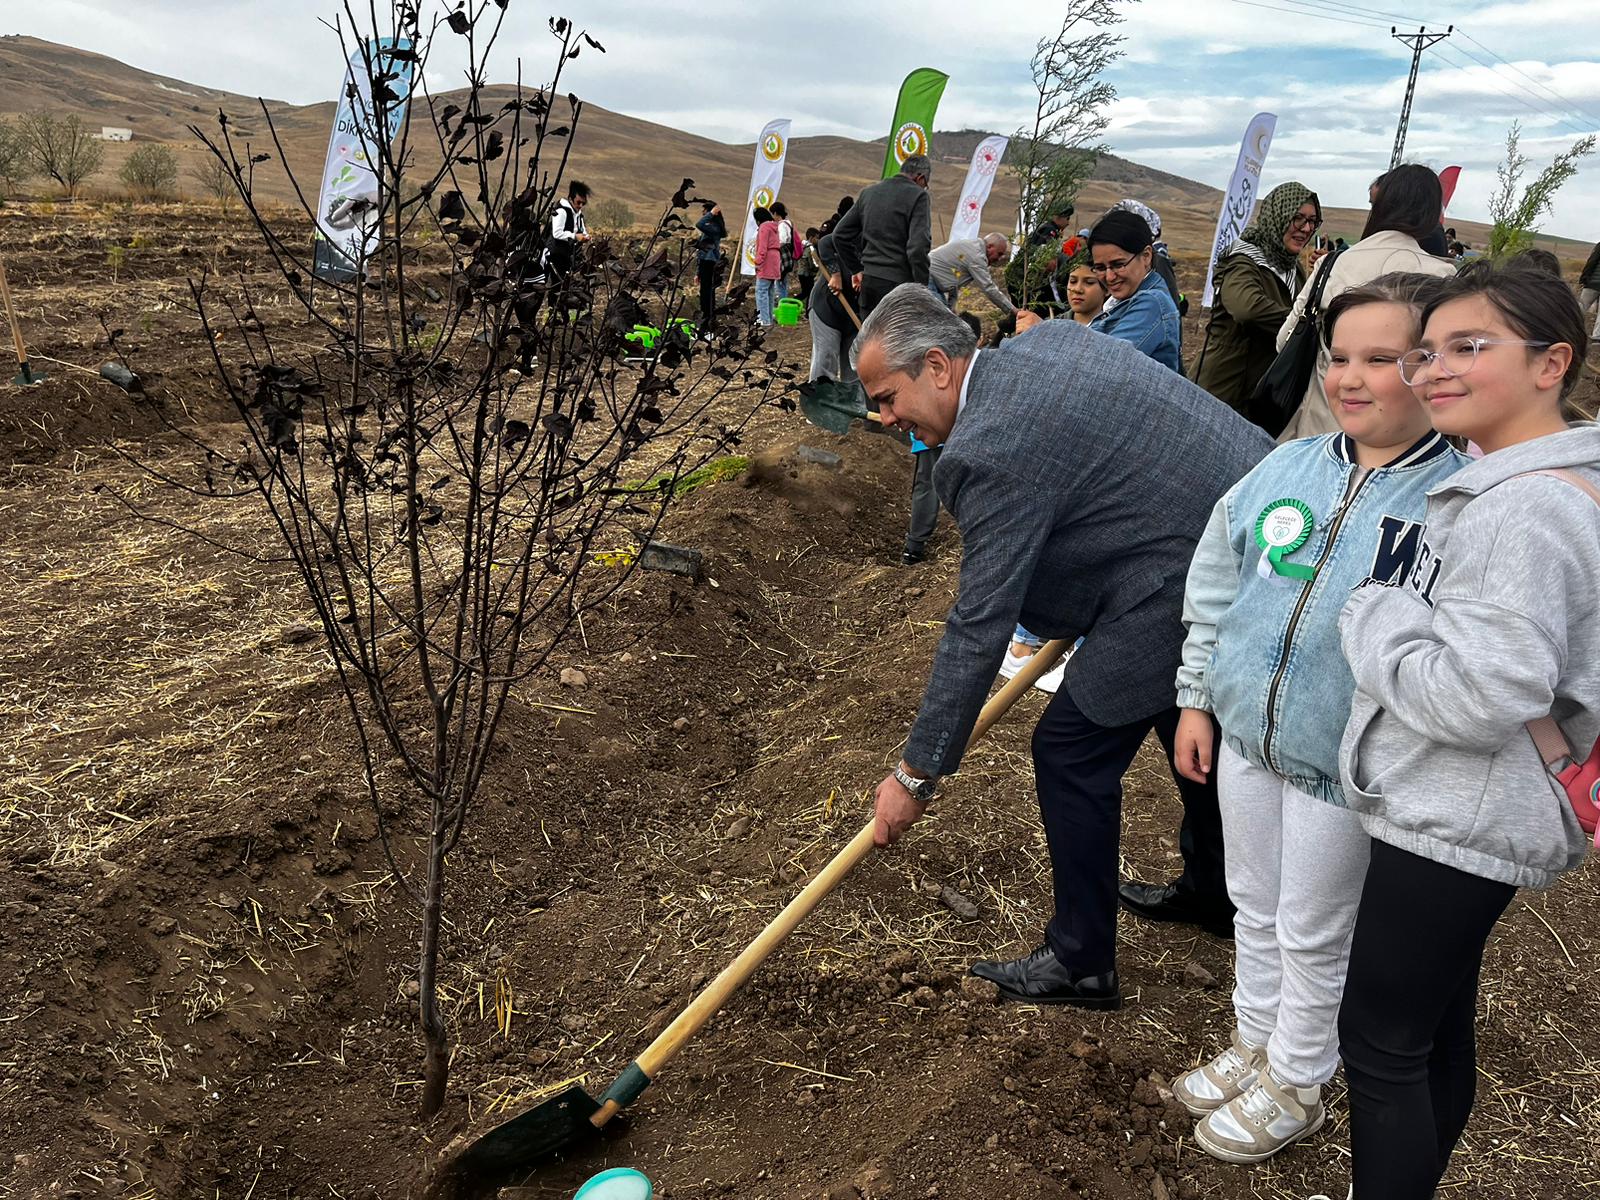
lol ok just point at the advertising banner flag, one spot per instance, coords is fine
(1243, 190)
(1448, 178)
(912, 128)
(980, 178)
(766, 177)
(348, 207)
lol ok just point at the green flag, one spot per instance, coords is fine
(913, 117)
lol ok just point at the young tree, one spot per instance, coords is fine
(447, 472)
(61, 148)
(151, 171)
(1055, 155)
(14, 157)
(215, 181)
(610, 213)
(1516, 217)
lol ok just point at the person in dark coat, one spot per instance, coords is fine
(1081, 474)
(884, 240)
(708, 251)
(1256, 281)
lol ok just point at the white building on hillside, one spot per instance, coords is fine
(109, 133)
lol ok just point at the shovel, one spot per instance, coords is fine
(25, 374)
(572, 1115)
(831, 405)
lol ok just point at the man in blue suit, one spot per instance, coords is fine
(1081, 474)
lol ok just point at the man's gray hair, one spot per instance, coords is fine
(997, 239)
(918, 164)
(909, 322)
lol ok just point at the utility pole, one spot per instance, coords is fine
(1418, 41)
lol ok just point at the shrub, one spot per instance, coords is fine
(151, 172)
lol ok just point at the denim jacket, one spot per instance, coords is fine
(1263, 650)
(712, 230)
(1148, 319)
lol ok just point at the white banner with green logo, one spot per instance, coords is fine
(765, 180)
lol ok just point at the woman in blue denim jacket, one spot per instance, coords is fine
(1141, 311)
(1265, 588)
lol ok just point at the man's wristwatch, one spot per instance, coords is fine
(921, 790)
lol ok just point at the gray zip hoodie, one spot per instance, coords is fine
(1498, 623)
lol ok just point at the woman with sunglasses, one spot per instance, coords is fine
(1407, 209)
(1122, 255)
(1497, 624)
(1257, 279)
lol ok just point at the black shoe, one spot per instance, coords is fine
(1164, 902)
(1040, 978)
(910, 558)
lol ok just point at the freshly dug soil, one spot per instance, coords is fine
(212, 975)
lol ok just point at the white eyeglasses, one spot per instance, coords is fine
(1455, 357)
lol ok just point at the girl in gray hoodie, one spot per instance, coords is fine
(1498, 623)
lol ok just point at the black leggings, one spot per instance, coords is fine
(1405, 1028)
(710, 276)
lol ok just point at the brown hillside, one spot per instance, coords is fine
(636, 161)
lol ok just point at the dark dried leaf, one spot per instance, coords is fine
(446, 113)
(255, 158)
(494, 147)
(459, 21)
(452, 207)
(680, 198)
(594, 43)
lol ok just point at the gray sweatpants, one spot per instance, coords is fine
(829, 352)
(1295, 869)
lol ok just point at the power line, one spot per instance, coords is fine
(1301, 12)
(1538, 109)
(1549, 91)
(1419, 41)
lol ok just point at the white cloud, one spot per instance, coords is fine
(1196, 71)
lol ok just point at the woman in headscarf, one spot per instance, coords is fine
(1257, 279)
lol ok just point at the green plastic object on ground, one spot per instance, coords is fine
(646, 336)
(619, 1183)
(788, 311)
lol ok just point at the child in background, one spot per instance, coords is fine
(1496, 625)
(1267, 582)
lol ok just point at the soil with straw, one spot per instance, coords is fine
(210, 978)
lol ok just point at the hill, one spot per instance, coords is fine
(636, 161)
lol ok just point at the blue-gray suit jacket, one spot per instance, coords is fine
(1081, 474)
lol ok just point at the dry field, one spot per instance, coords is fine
(210, 975)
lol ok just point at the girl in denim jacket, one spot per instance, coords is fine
(1265, 587)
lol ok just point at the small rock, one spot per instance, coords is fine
(162, 926)
(411, 989)
(1009, 1084)
(1198, 976)
(540, 1058)
(992, 1142)
(1158, 1189)
(738, 829)
(912, 593)
(926, 997)
(931, 887)
(298, 634)
(626, 657)
(680, 724)
(572, 1022)
(958, 904)
(573, 678)
(980, 991)
(822, 458)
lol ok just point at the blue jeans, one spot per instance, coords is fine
(948, 299)
(765, 298)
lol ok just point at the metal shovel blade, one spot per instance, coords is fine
(528, 1137)
(27, 376)
(830, 405)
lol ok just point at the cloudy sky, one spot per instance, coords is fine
(1195, 71)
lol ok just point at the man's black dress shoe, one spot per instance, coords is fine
(1164, 902)
(1041, 979)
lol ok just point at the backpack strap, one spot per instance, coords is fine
(1548, 739)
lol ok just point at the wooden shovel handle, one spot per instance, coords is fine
(843, 303)
(734, 976)
(11, 316)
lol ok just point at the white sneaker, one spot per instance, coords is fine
(1050, 681)
(1013, 664)
(1211, 1085)
(1264, 1120)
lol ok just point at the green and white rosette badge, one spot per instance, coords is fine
(1281, 529)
